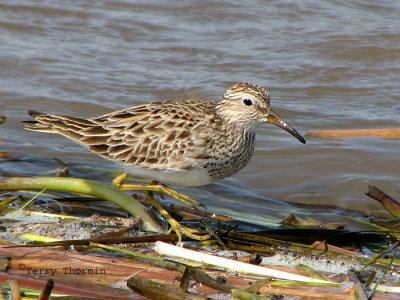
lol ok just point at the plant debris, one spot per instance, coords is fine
(60, 237)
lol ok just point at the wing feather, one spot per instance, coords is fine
(160, 136)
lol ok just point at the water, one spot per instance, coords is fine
(327, 65)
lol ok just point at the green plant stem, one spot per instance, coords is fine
(87, 187)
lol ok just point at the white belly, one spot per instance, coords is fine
(186, 178)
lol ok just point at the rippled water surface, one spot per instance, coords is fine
(327, 65)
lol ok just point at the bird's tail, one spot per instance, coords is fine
(84, 131)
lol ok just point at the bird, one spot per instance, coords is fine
(184, 143)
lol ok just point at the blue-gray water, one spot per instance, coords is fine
(327, 65)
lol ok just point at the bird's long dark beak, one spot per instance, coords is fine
(274, 119)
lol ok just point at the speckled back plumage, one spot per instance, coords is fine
(188, 143)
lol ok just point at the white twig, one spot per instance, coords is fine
(171, 250)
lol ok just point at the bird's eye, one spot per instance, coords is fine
(247, 102)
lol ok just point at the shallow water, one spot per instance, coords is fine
(327, 65)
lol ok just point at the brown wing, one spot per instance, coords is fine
(159, 136)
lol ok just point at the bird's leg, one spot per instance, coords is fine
(175, 226)
(162, 189)
(118, 181)
(154, 187)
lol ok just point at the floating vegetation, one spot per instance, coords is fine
(116, 246)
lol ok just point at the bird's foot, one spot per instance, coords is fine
(154, 187)
(175, 225)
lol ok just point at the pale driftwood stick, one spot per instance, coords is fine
(385, 133)
(14, 288)
(234, 265)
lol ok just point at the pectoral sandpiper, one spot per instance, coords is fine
(184, 143)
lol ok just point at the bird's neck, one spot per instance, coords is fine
(231, 114)
(237, 133)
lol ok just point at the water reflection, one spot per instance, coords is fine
(328, 65)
